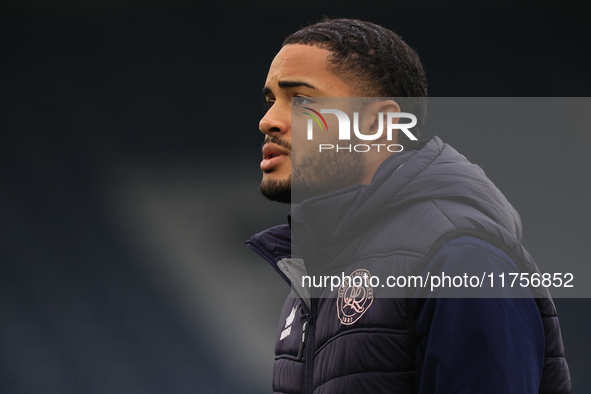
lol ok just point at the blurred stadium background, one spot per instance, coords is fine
(129, 177)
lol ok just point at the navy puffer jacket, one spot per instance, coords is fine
(425, 207)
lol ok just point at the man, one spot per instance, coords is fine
(422, 210)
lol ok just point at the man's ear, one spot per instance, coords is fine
(370, 121)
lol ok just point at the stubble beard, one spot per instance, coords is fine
(314, 175)
(324, 172)
(277, 190)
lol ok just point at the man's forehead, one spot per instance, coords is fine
(297, 62)
(300, 54)
(298, 65)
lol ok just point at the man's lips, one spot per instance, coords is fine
(272, 155)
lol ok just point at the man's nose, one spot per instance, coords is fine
(276, 120)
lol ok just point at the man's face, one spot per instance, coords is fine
(299, 72)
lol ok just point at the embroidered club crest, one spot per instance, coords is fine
(355, 296)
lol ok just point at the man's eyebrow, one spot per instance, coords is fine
(289, 84)
(294, 84)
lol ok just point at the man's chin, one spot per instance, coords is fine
(277, 190)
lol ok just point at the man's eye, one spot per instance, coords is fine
(268, 104)
(300, 101)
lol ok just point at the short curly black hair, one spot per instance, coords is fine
(376, 61)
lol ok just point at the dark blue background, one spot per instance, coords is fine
(86, 86)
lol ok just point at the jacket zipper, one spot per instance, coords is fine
(311, 322)
(303, 342)
(308, 328)
(311, 327)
